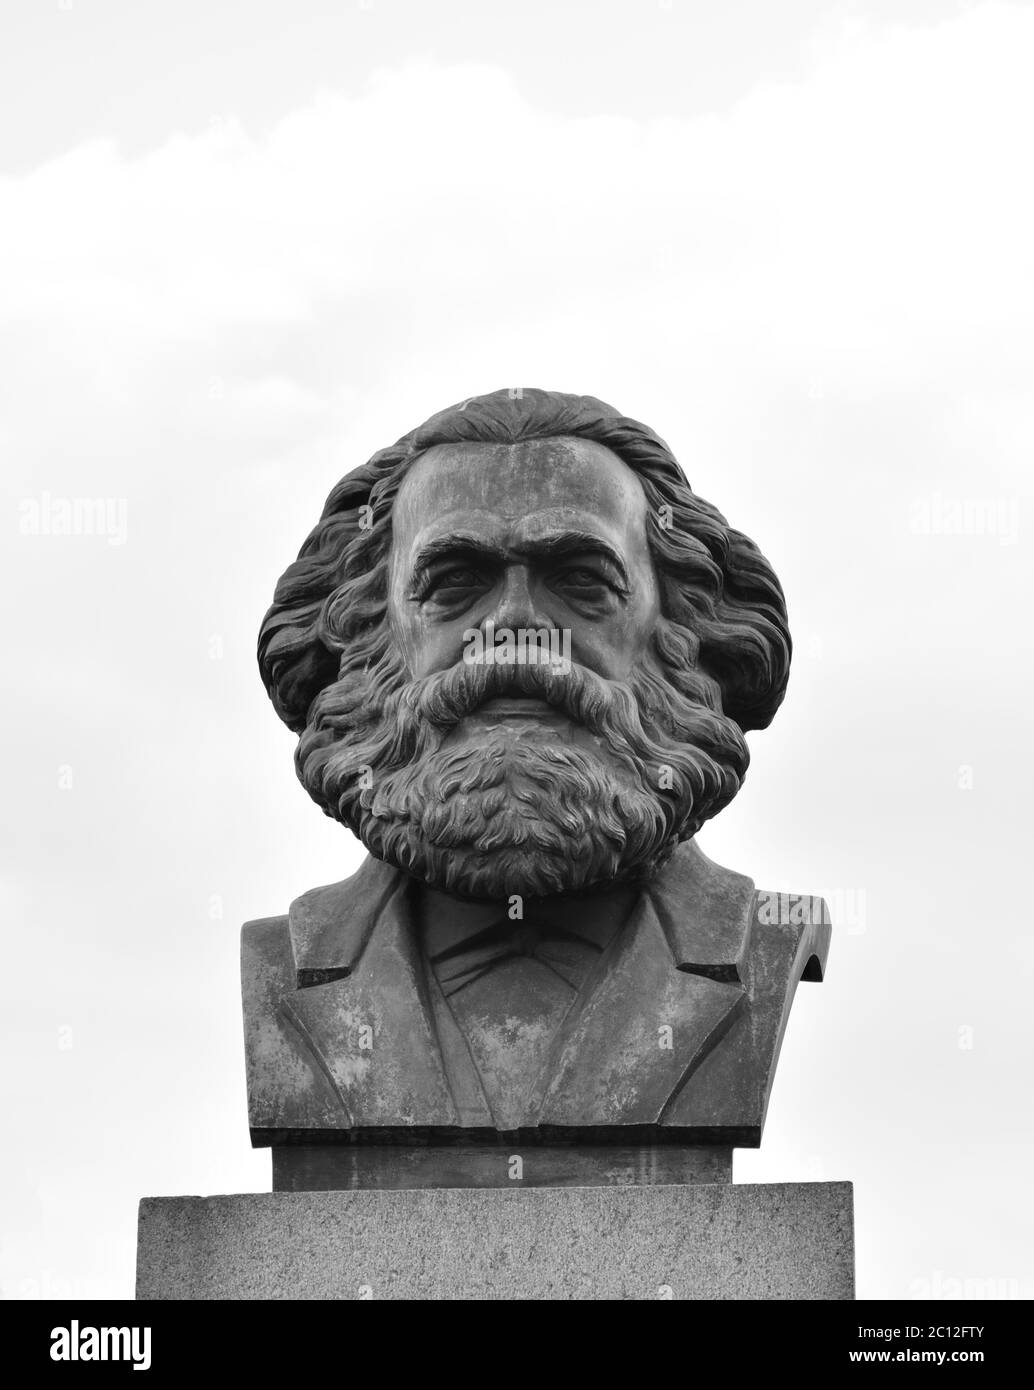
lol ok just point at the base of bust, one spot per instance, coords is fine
(667, 1240)
(346, 1167)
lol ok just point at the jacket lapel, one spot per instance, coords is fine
(666, 992)
(368, 1022)
(661, 997)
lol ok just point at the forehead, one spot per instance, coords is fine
(519, 491)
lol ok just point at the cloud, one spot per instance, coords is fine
(871, 222)
(821, 295)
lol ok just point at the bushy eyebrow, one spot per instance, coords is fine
(575, 543)
(470, 545)
(452, 545)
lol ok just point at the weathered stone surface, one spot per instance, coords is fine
(343, 1167)
(778, 1241)
(677, 1038)
(521, 656)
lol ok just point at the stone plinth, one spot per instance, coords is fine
(687, 1241)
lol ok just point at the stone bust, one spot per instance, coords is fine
(521, 655)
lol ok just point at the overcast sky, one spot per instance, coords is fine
(242, 246)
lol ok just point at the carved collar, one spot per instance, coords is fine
(704, 910)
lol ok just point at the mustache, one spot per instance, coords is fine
(448, 697)
(663, 719)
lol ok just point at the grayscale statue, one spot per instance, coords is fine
(521, 656)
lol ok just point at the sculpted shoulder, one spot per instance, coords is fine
(326, 929)
(266, 951)
(803, 921)
(287, 1088)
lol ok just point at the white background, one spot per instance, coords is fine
(242, 247)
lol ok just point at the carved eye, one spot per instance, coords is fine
(583, 582)
(457, 579)
(582, 578)
(451, 585)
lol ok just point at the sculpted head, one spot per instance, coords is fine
(556, 520)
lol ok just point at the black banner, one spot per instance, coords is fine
(172, 1340)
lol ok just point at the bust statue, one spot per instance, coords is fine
(521, 656)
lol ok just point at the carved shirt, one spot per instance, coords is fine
(509, 984)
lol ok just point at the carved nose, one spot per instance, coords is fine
(516, 607)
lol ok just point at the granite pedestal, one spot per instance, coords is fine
(670, 1240)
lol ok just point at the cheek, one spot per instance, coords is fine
(643, 616)
(615, 646)
(407, 630)
(427, 646)
(403, 631)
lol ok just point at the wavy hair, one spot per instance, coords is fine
(723, 611)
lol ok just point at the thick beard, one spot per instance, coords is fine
(501, 814)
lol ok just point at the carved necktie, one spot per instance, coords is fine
(509, 986)
(570, 955)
